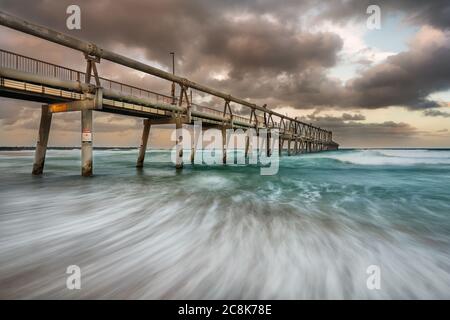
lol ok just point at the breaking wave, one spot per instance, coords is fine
(390, 157)
(225, 232)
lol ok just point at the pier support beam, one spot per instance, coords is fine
(247, 145)
(144, 141)
(196, 136)
(179, 144)
(41, 145)
(280, 145)
(289, 147)
(193, 149)
(224, 145)
(269, 143)
(86, 143)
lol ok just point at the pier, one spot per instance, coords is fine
(61, 89)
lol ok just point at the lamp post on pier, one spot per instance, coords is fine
(173, 72)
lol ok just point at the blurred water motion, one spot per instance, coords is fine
(226, 232)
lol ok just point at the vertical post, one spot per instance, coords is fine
(193, 145)
(289, 147)
(280, 145)
(247, 145)
(144, 141)
(179, 146)
(86, 143)
(295, 146)
(86, 130)
(268, 141)
(41, 145)
(224, 144)
(173, 83)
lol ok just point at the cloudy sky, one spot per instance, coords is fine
(387, 87)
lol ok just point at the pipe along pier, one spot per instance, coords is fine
(62, 89)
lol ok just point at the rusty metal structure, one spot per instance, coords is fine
(63, 89)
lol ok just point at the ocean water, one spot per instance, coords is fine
(226, 232)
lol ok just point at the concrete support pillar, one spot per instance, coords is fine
(280, 146)
(86, 143)
(41, 145)
(193, 149)
(224, 145)
(179, 145)
(144, 141)
(247, 145)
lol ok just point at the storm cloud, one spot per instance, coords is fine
(266, 51)
(259, 50)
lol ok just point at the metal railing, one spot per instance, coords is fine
(26, 64)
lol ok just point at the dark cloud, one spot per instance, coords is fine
(254, 49)
(256, 45)
(405, 79)
(347, 128)
(257, 49)
(349, 123)
(353, 117)
(436, 113)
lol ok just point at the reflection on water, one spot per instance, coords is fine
(225, 231)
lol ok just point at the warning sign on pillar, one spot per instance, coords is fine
(86, 136)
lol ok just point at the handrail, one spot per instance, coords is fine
(20, 62)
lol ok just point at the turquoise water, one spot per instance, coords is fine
(311, 231)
